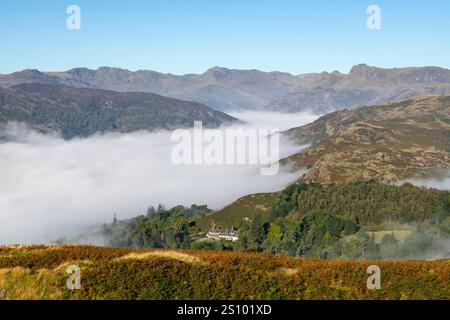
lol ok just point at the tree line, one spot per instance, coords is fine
(308, 219)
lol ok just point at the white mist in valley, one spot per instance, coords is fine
(442, 181)
(50, 187)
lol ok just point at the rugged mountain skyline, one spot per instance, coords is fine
(219, 88)
(82, 112)
(227, 89)
(364, 85)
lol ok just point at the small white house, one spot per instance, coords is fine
(217, 234)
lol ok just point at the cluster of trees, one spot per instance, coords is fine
(324, 237)
(367, 202)
(159, 228)
(329, 221)
(295, 235)
(311, 220)
(427, 241)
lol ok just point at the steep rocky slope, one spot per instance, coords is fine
(389, 142)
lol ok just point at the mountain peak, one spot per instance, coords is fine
(217, 69)
(29, 73)
(81, 71)
(361, 69)
(218, 73)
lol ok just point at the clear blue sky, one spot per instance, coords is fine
(190, 36)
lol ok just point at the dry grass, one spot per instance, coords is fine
(289, 271)
(170, 274)
(62, 267)
(174, 255)
(23, 284)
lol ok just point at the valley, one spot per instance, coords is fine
(234, 152)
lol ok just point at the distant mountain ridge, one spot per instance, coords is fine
(219, 88)
(364, 85)
(83, 112)
(227, 89)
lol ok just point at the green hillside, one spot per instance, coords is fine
(351, 220)
(233, 214)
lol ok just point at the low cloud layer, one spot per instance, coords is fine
(442, 182)
(50, 187)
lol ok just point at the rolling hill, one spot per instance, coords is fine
(82, 112)
(389, 142)
(234, 214)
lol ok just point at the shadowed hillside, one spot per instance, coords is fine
(83, 112)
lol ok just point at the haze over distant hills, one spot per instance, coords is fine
(82, 112)
(364, 85)
(219, 88)
(225, 89)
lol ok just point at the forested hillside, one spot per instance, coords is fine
(76, 112)
(368, 203)
(353, 220)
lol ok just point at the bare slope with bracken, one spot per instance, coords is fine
(389, 142)
(40, 273)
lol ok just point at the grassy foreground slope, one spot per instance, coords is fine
(107, 273)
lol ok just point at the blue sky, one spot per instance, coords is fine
(190, 36)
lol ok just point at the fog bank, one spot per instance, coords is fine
(50, 187)
(441, 182)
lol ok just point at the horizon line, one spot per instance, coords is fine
(224, 68)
